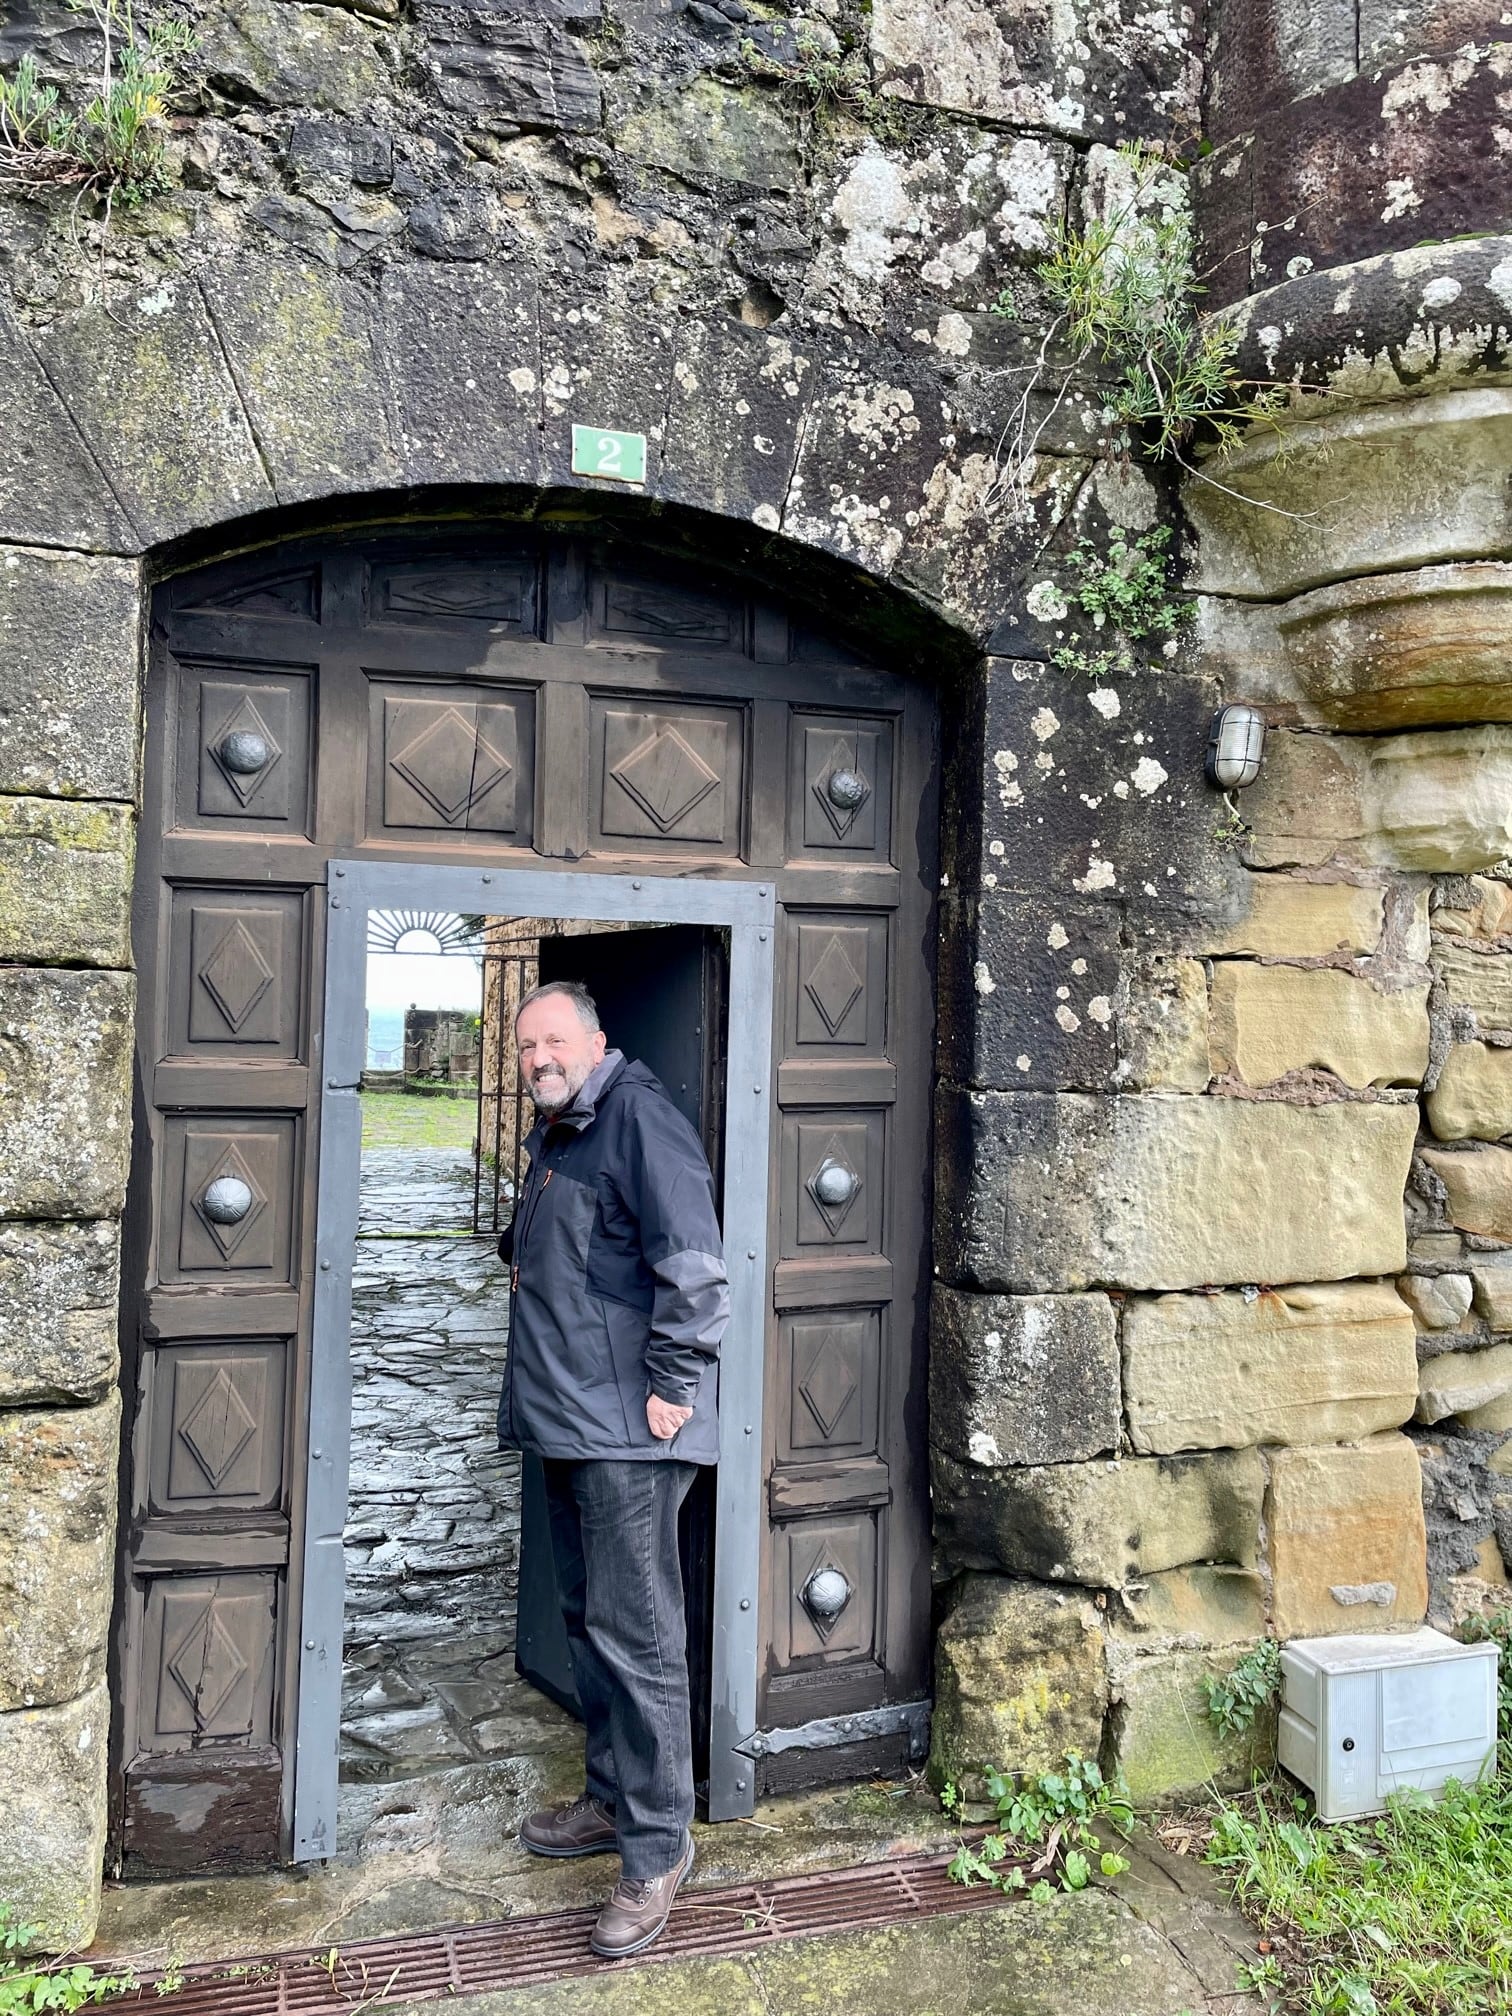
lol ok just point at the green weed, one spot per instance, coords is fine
(29, 1988)
(1236, 1698)
(1055, 1812)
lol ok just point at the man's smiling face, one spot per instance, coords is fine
(557, 1053)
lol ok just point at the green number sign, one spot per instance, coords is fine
(601, 451)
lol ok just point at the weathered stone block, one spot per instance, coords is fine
(1037, 1193)
(58, 1311)
(149, 387)
(51, 493)
(707, 132)
(1330, 1362)
(1492, 1275)
(1479, 1187)
(317, 58)
(1441, 801)
(1473, 1097)
(58, 1482)
(52, 1846)
(1494, 1416)
(1486, 914)
(1438, 1301)
(1192, 1607)
(461, 352)
(1348, 1544)
(1268, 1020)
(300, 345)
(1308, 803)
(1165, 1743)
(1100, 1523)
(1463, 1382)
(1067, 68)
(596, 358)
(65, 882)
(1479, 981)
(1023, 1378)
(739, 396)
(70, 637)
(65, 1092)
(1163, 1030)
(1289, 919)
(1027, 993)
(1019, 1679)
(512, 71)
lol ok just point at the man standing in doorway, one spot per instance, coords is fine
(618, 1302)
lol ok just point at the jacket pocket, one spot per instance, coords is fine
(628, 1331)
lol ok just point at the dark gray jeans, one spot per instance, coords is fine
(614, 1542)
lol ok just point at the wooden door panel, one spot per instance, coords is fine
(244, 754)
(227, 1203)
(626, 605)
(830, 1369)
(840, 786)
(833, 1176)
(438, 591)
(838, 1000)
(825, 1601)
(209, 1662)
(213, 1437)
(236, 980)
(444, 759)
(292, 592)
(666, 780)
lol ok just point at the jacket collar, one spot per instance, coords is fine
(579, 1111)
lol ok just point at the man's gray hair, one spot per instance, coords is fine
(575, 992)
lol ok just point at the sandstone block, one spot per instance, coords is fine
(1492, 1276)
(1479, 981)
(318, 59)
(1495, 1416)
(69, 626)
(1438, 1301)
(1100, 1523)
(1288, 919)
(1441, 801)
(1334, 1361)
(1473, 1097)
(65, 1092)
(1165, 1743)
(52, 1846)
(1027, 993)
(65, 882)
(1348, 1543)
(1190, 1606)
(1463, 1382)
(57, 1537)
(1019, 1679)
(443, 331)
(1268, 1020)
(1163, 1031)
(1479, 1187)
(1307, 804)
(1488, 914)
(1023, 1378)
(51, 493)
(707, 131)
(150, 389)
(58, 1311)
(1040, 1194)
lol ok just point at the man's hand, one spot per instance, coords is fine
(663, 1419)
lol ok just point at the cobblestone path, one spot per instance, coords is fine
(433, 1528)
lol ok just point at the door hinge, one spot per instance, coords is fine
(830, 1732)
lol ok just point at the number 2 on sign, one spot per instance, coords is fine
(608, 453)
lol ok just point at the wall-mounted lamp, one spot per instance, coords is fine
(1236, 742)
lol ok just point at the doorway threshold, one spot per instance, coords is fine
(441, 1850)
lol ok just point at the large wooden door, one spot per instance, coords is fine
(531, 701)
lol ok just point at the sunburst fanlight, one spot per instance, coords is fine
(423, 931)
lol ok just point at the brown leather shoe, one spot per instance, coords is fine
(637, 1912)
(582, 1827)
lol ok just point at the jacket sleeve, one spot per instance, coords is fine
(673, 1198)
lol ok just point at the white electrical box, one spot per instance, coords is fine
(1362, 1717)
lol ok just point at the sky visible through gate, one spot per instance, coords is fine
(413, 976)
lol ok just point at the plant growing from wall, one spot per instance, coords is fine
(1123, 598)
(30, 1990)
(114, 147)
(1237, 1697)
(1055, 1813)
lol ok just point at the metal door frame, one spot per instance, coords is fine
(748, 908)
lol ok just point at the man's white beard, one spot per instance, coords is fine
(559, 1089)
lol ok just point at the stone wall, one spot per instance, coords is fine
(403, 244)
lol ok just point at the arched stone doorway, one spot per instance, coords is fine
(517, 699)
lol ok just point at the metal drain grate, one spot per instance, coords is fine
(522, 1952)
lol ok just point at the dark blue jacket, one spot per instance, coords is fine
(617, 1279)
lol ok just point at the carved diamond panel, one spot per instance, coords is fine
(840, 785)
(501, 595)
(669, 781)
(835, 1167)
(839, 985)
(235, 972)
(831, 1370)
(255, 1153)
(244, 753)
(827, 1594)
(626, 606)
(208, 1661)
(451, 764)
(216, 1426)
(295, 594)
